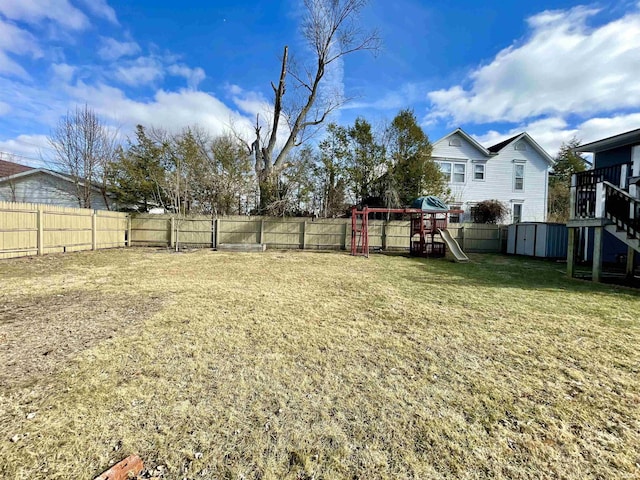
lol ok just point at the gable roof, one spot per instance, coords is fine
(631, 137)
(495, 149)
(499, 146)
(10, 168)
(468, 138)
(33, 171)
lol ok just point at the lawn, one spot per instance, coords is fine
(301, 365)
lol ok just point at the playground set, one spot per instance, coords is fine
(426, 223)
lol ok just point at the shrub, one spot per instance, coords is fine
(489, 211)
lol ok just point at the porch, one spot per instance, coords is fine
(604, 200)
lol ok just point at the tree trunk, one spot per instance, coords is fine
(269, 194)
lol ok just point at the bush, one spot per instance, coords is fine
(489, 211)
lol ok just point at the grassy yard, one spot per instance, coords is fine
(299, 365)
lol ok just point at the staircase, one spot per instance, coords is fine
(623, 210)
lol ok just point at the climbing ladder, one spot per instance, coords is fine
(360, 232)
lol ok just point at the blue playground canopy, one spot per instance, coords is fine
(430, 204)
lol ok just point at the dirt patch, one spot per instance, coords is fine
(40, 334)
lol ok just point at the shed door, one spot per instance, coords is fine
(526, 239)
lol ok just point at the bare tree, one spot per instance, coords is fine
(331, 31)
(84, 146)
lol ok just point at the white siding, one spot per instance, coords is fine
(43, 188)
(465, 151)
(499, 178)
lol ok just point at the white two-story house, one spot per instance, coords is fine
(514, 171)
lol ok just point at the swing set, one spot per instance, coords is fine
(425, 225)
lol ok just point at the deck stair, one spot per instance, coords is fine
(623, 210)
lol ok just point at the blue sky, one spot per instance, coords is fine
(553, 68)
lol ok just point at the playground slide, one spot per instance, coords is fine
(453, 246)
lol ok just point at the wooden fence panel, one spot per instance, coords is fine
(283, 233)
(397, 234)
(194, 231)
(152, 230)
(18, 229)
(67, 230)
(239, 229)
(111, 229)
(30, 229)
(481, 238)
(328, 234)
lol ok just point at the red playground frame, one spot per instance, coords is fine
(424, 223)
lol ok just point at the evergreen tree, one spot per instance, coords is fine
(412, 170)
(567, 163)
(137, 176)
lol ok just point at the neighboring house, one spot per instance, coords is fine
(10, 168)
(514, 171)
(604, 223)
(19, 183)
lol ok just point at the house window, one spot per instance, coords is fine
(453, 172)
(459, 172)
(517, 212)
(478, 171)
(455, 142)
(455, 217)
(518, 177)
(445, 168)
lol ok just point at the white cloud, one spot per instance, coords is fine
(549, 133)
(404, 96)
(101, 8)
(4, 108)
(63, 72)
(602, 127)
(251, 103)
(170, 110)
(193, 75)
(111, 49)
(141, 71)
(15, 40)
(552, 132)
(564, 67)
(32, 150)
(149, 70)
(11, 67)
(35, 11)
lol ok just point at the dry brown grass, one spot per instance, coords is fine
(303, 365)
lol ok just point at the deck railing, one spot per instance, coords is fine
(622, 209)
(585, 186)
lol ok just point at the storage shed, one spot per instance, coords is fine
(536, 239)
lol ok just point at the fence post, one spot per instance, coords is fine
(346, 234)
(128, 244)
(571, 252)
(464, 238)
(384, 234)
(218, 221)
(172, 235)
(304, 235)
(40, 236)
(94, 232)
(213, 232)
(261, 231)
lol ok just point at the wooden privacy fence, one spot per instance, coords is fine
(296, 233)
(37, 229)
